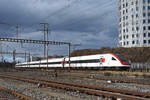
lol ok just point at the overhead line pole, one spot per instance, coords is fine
(47, 44)
(45, 30)
(69, 45)
(17, 31)
(15, 26)
(41, 42)
(1, 49)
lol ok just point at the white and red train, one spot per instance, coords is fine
(97, 61)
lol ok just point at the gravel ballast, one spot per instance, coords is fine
(47, 93)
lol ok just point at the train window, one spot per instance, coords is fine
(121, 58)
(113, 58)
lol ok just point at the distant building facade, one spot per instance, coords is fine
(134, 23)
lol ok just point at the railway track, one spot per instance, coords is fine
(84, 88)
(112, 79)
(15, 94)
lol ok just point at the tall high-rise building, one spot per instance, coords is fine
(134, 23)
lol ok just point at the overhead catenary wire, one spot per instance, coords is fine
(55, 12)
(88, 9)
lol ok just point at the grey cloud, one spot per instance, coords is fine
(95, 18)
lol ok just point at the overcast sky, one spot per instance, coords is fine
(92, 23)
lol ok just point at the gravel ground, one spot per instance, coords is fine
(58, 94)
(68, 78)
(44, 93)
(6, 96)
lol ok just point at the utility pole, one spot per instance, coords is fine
(17, 31)
(45, 30)
(1, 49)
(25, 57)
(14, 56)
(69, 45)
(29, 57)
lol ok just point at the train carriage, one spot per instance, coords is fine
(81, 62)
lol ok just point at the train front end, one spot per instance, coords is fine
(122, 62)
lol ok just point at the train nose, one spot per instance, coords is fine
(125, 63)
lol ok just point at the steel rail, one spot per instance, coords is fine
(129, 92)
(92, 90)
(118, 80)
(14, 93)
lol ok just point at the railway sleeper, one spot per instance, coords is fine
(69, 88)
(23, 97)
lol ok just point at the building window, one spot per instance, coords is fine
(148, 34)
(132, 35)
(132, 28)
(148, 27)
(144, 21)
(123, 24)
(144, 14)
(144, 28)
(124, 37)
(148, 14)
(143, 7)
(120, 19)
(127, 36)
(126, 10)
(124, 30)
(120, 43)
(148, 1)
(123, 17)
(123, 5)
(132, 3)
(127, 42)
(137, 35)
(120, 38)
(137, 15)
(149, 21)
(137, 9)
(132, 16)
(143, 1)
(133, 42)
(119, 7)
(136, 2)
(137, 42)
(123, 11)
(144, 41)
(137, 22)
(137, 28)
(132, 9)
(148, 41)
(148, 7)
(126, 4)
(144, 35)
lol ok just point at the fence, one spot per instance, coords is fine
(140, 66)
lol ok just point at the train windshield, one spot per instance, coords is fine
(121, 58)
